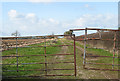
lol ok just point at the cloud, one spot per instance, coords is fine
(73, 0)
(108, 21)
(53, 21)
(40, 0)
(18, 17)
(86, 5)
(89, 7)
(32, 17)
(99, 20)
(12, 13)
(31, 24)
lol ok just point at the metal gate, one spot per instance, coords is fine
(17, 44)
(114, 56)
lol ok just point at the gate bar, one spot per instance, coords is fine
(38, 76)
(102, 64)
(62, 75)
(101, 69)
(41, 46)
(95, 39)
(35, 70)
(38, 55)
(100, 56)
(94, 29)
(37, 63)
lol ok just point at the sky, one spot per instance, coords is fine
(45, 18)
(60, 0)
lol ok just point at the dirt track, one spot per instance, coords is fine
(91, 74)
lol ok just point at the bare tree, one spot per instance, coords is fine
(16, 33)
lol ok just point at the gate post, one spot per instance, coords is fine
(84, 57)
(17, 51)
(45, 55)
(75, 56)
(114, 46)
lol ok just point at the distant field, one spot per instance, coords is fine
(8, 43)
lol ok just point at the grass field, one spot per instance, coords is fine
(81, 73)
(28, 59)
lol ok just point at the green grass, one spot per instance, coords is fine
(66, 58)
(107, 60)
(28, 59)
(100, 52)
(81, 73)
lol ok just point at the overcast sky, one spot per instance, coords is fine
(43, 18)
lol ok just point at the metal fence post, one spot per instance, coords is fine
(75, 56)
(45, 55)
(118, 45)
(114, 49)
(17, 51)
(84, 56)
